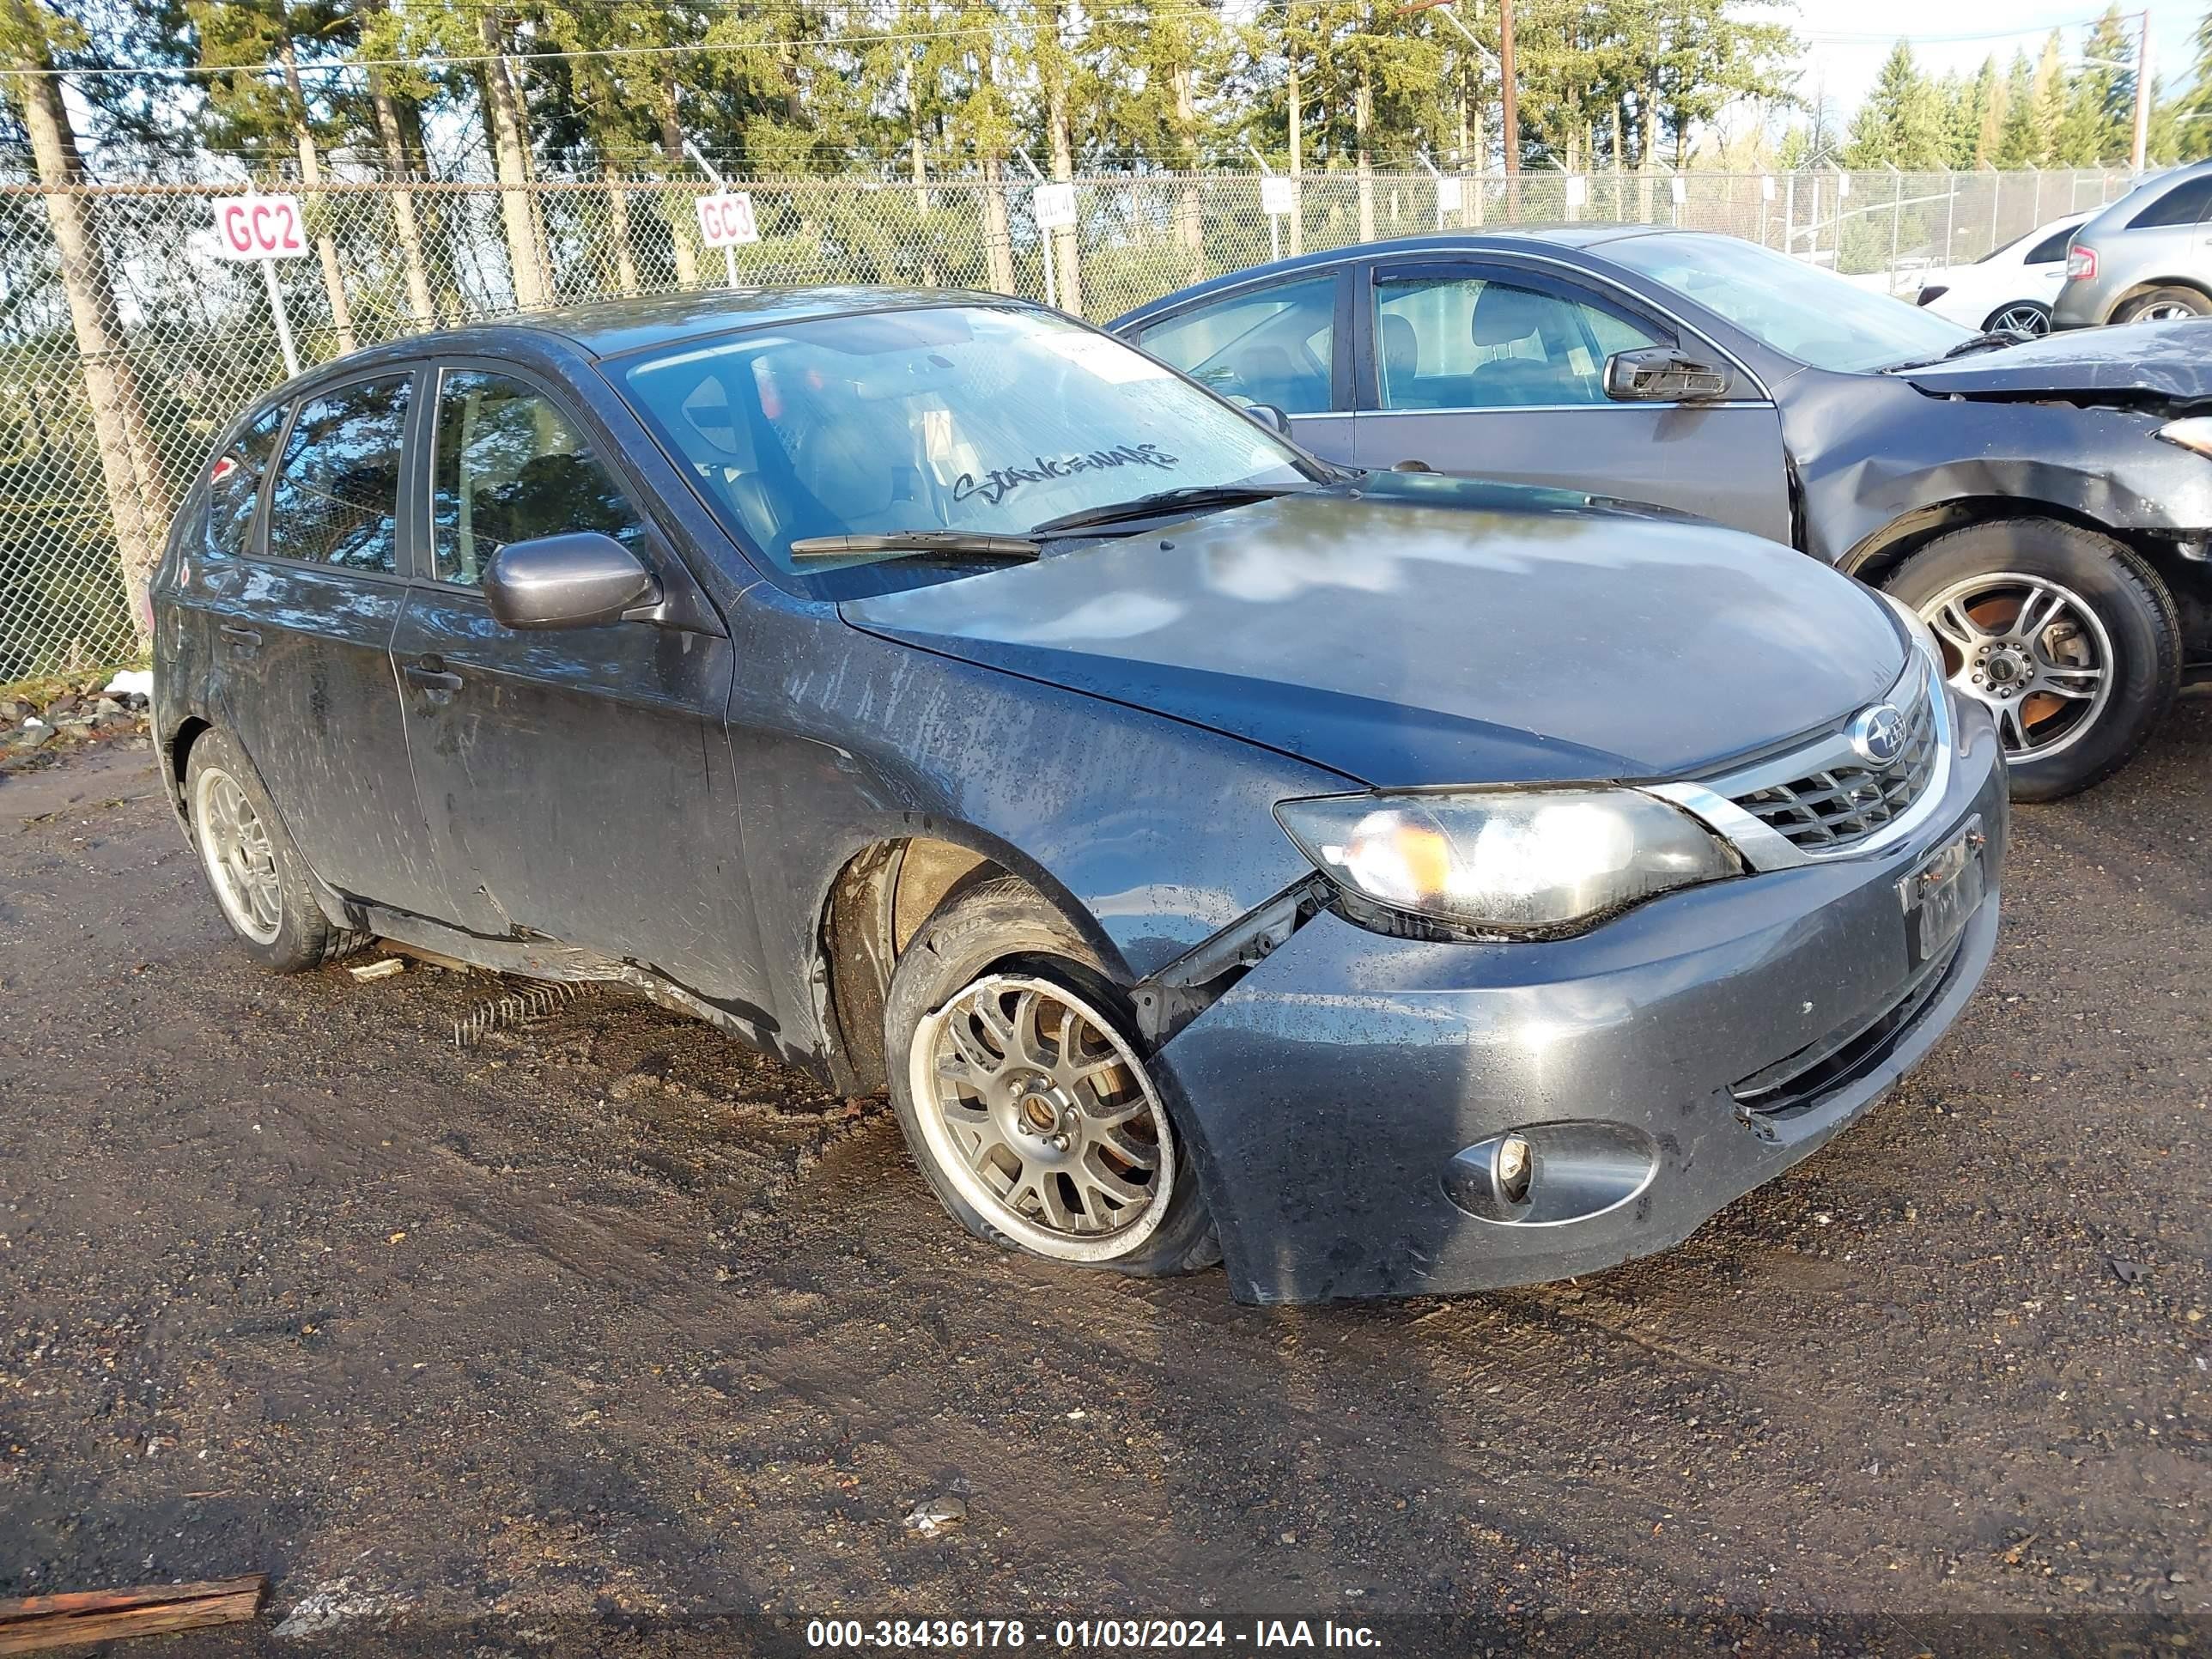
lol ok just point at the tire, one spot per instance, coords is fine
(259, 881)
(2063, 727)
(2164, 302)
(2029, 317)
(991, 1159)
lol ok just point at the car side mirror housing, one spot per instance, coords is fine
(580, 579)
(1275, 420)
(1661, 374)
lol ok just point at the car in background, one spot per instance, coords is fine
(2009, 290)
(2146, 258)
(1391, 885)
(2045, 506)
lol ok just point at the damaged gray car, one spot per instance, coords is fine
(1387, 885)
(2045, 507)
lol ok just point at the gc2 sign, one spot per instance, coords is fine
(726, 220)
(1053, 206)
(258, 227)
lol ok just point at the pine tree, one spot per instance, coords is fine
(2098, 124)
(1901, 124)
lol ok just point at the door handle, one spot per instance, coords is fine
(431, 677)
(237, 636)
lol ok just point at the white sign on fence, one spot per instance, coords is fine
(258, 227)
(1681, 189)
(1053, 206)
(1766, 187)
(1448, 196)
(1276, 195)
(1842, 186)
(726, 220)
(1577, 190)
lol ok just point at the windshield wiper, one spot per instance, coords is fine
(1165, 501)
(914, 541)
(1991, 342)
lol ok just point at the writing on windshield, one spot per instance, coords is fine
(1001, 481)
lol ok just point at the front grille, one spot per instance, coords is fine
(1840, 806)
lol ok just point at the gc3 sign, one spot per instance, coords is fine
(726, 220)
(258, 227)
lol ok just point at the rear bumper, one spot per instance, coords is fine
(1330, 1090)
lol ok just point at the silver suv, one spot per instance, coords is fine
(2148, 258)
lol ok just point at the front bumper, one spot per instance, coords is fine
(1329, 1092)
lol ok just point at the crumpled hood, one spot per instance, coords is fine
(2167, 364)
(1434, 632)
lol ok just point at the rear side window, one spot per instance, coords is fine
(337, 491)
(234, 483)
(2052, 249)
(2185, 204)
(511, 467)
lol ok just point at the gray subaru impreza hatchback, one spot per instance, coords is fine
(1388, 884)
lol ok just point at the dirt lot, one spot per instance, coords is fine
(602, 1336)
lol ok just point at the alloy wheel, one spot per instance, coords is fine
(240, 860)
(2031, 651)
(2023, 318)
(2166, 311)
(1043, 1118)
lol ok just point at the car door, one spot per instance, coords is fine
(1285, 341)
(302, 599)
(1492, 370)
(570, 772)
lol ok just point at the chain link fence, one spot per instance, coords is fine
(126, 342)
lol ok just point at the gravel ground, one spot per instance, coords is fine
(604, 1336)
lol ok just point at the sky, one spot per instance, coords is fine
(1847, 40)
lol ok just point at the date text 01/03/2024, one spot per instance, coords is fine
(1082, 1635)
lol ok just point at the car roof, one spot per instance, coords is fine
(605, 327)
(1577, 235)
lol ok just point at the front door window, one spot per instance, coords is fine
(1469, 341)
(511, 467)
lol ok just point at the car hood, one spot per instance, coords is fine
(2158, 364)
(1415, 630)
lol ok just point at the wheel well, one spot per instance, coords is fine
(878, 901)
(2142, 288)
(1875, 560)
(180, 749)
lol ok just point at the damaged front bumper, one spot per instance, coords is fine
(1347, 1097)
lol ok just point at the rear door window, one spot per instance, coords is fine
(336, 497)
(512, 466)
(2185, 204)
(234, 483)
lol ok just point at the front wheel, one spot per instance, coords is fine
(1033, 1117)
(2068, 638)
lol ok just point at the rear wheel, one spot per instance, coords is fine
(260, 879)
(2164, 305)
(2068, 638)
(2030, 317)
(1034, 1118)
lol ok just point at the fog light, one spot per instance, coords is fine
(1512, 1169)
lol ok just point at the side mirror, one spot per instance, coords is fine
(1660, 374)
(1271, 417)
(582, 579)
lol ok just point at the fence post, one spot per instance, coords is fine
(1896, 218)
(2038, 172)
(1950, 211)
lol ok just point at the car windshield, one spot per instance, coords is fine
(1797, 309)
(974, 420)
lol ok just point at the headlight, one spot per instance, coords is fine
(1516, 863)
(2193, 433)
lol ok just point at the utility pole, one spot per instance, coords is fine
(2143, 93)
(1510, 94)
